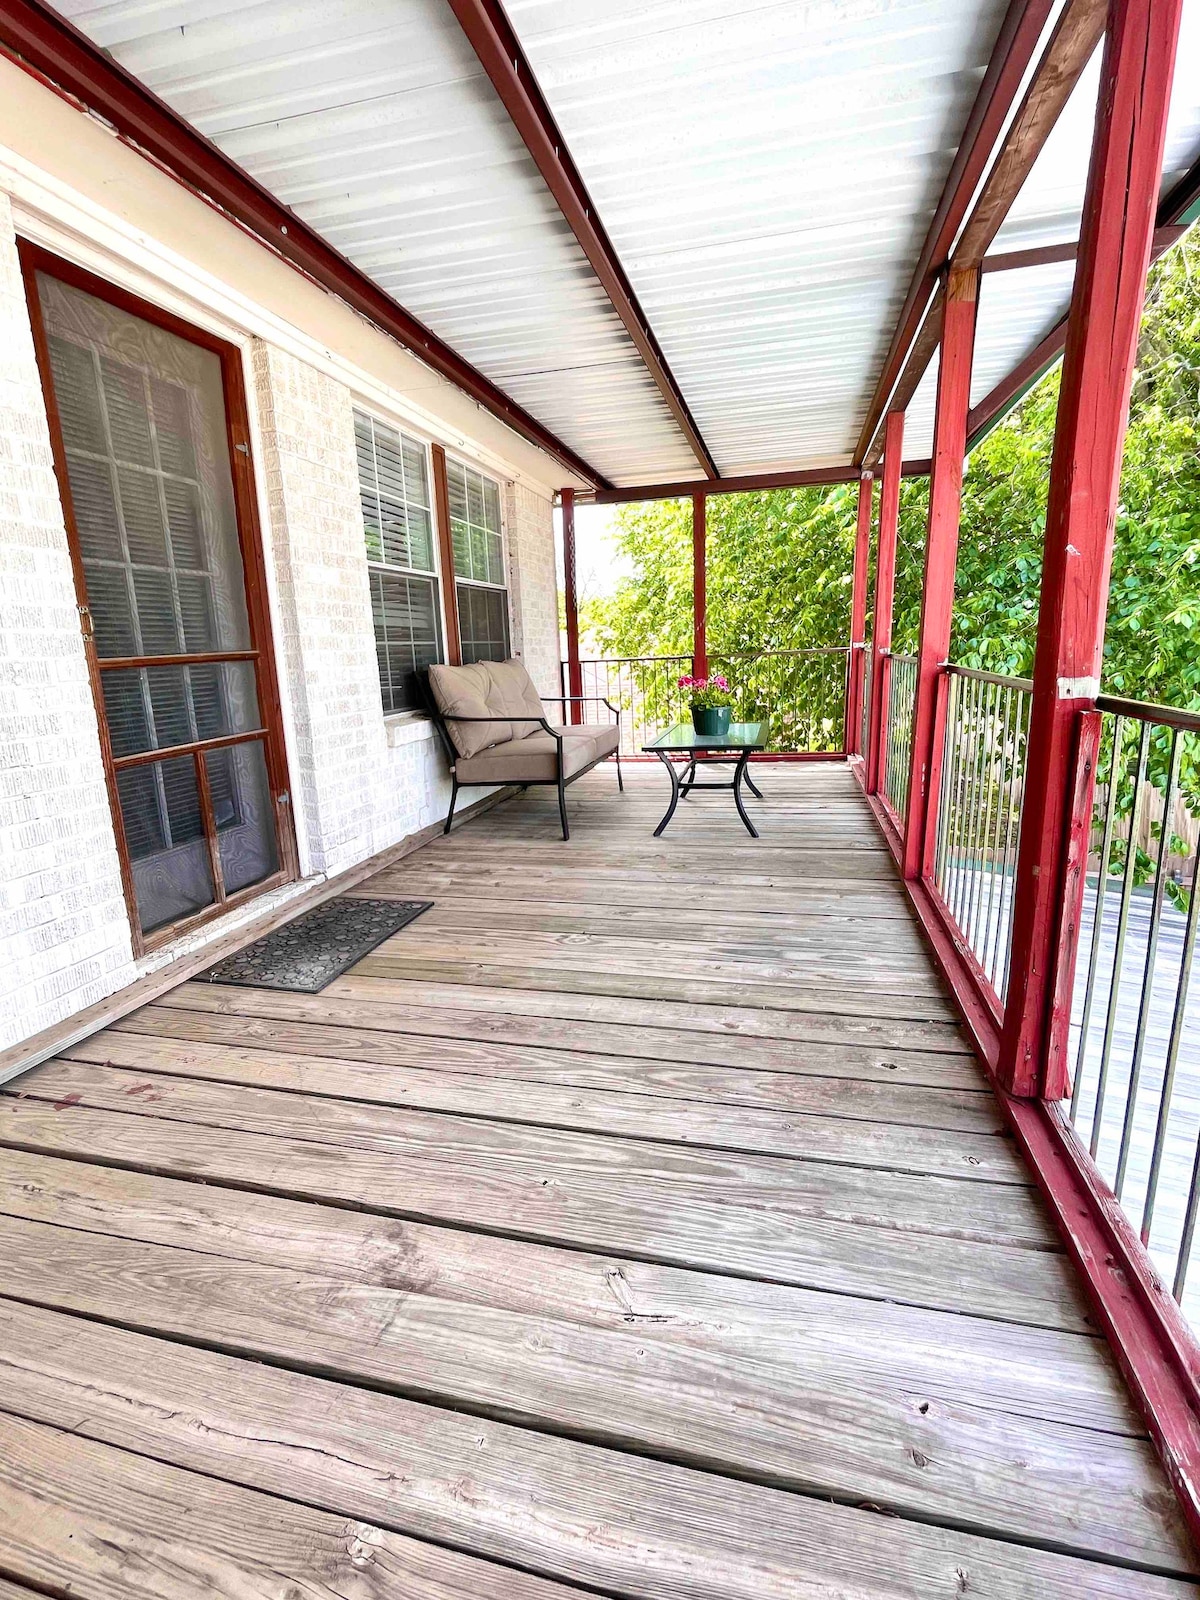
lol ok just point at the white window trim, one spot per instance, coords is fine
(507, 587)
(409, 713)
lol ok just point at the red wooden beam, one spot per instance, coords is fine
(492, 38)
(885, 584)
(699, 586)
(1072, 45)
(445, 542)
(1179, 202)
(571, 605)
(751, 483)
(941, 556)
(1014, 50)
(1045, 255)
(858, 616)
(42, 42)
(1106, 307)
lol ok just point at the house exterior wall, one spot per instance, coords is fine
(64, 934)
(360, 781)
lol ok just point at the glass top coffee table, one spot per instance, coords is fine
(679, 748)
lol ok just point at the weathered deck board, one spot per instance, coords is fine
(1053, 1376)
(646, 982)
(637, 1220)
(882, 1236)
(160, 1397)
(430, 1072)
(594, 1095)
(90, 1521)
(741, 1025)
(379, 1006)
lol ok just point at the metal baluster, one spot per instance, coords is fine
(1114, 988)
(943, 818)
(1013, 839)
(991, 937)
(979, 813)
(970, 748)
(955, 848)
(985, 813)
(958, 888)
(1110, 811)
(1144, 1003)
(1176, 1038)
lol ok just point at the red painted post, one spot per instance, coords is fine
(941, 558)
(1102, 330)
(885, 584)
(700, 586)
(858, 617)
(570, 595)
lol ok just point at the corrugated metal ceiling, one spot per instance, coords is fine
(766, 172)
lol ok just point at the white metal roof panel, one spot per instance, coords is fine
(766, 171)
(376, 123)
(767, 174)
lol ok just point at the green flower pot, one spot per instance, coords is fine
(711, 721)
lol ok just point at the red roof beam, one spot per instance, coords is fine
(801, 478)
(1014, 50)
(48, 47)
(491, 36)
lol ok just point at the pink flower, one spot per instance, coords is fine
(721, 682)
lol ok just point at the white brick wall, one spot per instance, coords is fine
(64, 934)
(534, 584)
(323, 631)
(360, 782)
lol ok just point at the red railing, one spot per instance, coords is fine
(1118, 1157)
(802, 693)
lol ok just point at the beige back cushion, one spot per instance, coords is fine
(512, 694)
(485, 689)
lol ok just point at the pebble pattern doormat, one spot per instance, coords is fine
(308, 954)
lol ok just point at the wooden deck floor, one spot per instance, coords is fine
(636, 1222)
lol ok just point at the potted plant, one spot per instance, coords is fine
(711, 702)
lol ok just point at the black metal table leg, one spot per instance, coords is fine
(670, 766)
(688, 779)
(752, 786)
(739, 774)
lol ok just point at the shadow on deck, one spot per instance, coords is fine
(638, 1219)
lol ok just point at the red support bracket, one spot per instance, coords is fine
(852, 739)
(885, 585)
(571, 603)
(699, 586)
(941, 557)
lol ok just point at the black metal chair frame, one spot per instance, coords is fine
(560, 782)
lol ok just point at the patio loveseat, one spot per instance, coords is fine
(490, 719)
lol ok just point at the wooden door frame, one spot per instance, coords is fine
(35, 258)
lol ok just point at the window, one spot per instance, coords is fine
(393, 479)
(141, 424)
(480, 587)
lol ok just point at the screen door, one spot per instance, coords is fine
(178, 648)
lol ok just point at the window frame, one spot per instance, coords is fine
(435, 573)
(504, 588)
(35, 258)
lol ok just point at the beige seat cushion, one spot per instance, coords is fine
(486, 689)
(604, 736)
(531, 760)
